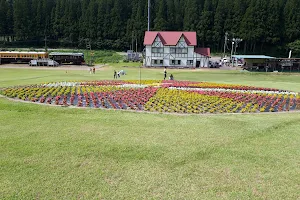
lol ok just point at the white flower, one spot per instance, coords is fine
(67, 84)
(234, 91)
(132, 86)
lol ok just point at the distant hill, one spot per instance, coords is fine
(266, 26)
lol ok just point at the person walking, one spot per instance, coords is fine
(94, 70)
(165, 73)
(115, 75)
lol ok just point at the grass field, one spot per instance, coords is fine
(62, 153)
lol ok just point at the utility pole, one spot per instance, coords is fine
(136, 45)
(137, 56)
(225, 44)
(140, 74)
(149, 5)
(46, 49)
(45, 33)
(89, 47)
(232, 51)
(235, 42)
(132, 41)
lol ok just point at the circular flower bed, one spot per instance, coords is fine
(160, 96)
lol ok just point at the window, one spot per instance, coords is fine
(181, 50)
(178, 50)
(175, 62)
(190, 62)
(156, 62)
(157, 50)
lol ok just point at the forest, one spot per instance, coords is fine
(266, 26)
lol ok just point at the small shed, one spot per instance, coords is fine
(256, 62)
(288, 64)
(133, 56)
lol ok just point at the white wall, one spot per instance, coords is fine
(191, 52)
(167, 57)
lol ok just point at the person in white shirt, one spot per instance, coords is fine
(165, 73)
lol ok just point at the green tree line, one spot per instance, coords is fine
(264, 25)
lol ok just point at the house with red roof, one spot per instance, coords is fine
(174, 49)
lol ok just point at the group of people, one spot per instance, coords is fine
(171, 77)
(92, 70)
(118, 75)
(122, 72)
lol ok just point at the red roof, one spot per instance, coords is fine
(170, 38)
(203, 51)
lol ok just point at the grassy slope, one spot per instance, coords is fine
(82, 153)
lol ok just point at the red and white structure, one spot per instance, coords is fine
(174, 49)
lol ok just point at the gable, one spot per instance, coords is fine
(171, 38)
(182, 43)
(203, 51)
(157, 42)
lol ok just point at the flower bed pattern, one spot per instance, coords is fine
(160, 96)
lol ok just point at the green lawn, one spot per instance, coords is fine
(62, 153)
(9, 77)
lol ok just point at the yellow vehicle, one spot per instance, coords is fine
(20, 57)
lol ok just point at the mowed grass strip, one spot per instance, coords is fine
(62, 153)
(10, 76)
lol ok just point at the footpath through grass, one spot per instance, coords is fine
(62, 153)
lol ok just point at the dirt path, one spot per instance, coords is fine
(98, 67)
(63, 67)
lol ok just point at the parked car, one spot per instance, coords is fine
(213, 64)
(225, 60)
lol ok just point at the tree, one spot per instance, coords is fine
(23, 23)
(9, 18)
(160, 22)
(264, 25)
(117, 26)
(219, 21)
(295, 46)
(292, 19)
(190, 15)
(171, 13)
(57, 17)
(178, 23)
(205, 25)
(274, 22)
(3, 17)
(248, 26)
